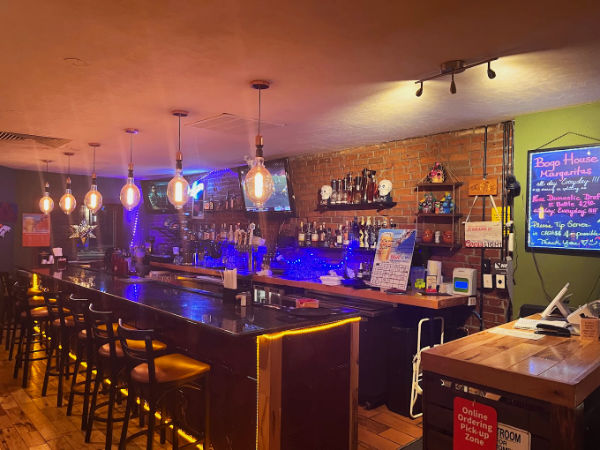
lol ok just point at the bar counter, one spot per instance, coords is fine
(411, 298)
(278, 381)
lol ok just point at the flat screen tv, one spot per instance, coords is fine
(282, 200)
(563, 200)
(154, 193)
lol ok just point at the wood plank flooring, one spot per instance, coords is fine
(31, 422)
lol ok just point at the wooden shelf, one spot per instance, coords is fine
(355, 207)
(438, 186)
(451, 247)
(445, 216)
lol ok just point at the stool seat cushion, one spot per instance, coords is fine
(69, 322)
(138, 345)
(40, 312)
(33, 291)
(170, 368)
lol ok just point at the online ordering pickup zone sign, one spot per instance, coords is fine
(475, 425)
(563, 199)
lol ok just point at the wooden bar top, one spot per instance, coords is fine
(410, 298)
(562, 371)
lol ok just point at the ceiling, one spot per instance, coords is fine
(342, 74)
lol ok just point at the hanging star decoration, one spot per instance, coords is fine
(83, 231)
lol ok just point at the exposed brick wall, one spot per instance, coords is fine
(405, 163)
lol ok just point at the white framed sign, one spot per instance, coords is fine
(483, 234)
(511, 438)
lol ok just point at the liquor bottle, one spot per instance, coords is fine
(333, 198)
(211, 204)
(206, 205)
(360, 274)
(371, 187)
(364, 183)
(314, 237)
(301, 235)
(346, 234)
(361, 232)
(385, 224)
(230, 237)
(348, 185)
(339, 237)
(322, 235)
(373, 235)
(392, 224)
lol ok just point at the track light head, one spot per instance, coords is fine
(420, 90)
(453, 85)
(491, 74)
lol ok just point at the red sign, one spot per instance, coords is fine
(475, 425)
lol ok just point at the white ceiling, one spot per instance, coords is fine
(343, 73)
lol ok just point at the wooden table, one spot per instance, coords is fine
(549, 387)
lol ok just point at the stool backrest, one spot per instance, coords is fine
(101, 326)
(18, 294)
(139, 354)
(78, 308)
(54, 303)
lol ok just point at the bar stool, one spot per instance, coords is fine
(60, 332)
(26, 319)
(83, 354)
(6, 308)
(156, 374)
(110, 361)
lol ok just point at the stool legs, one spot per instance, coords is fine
(81, 347)
(92, 411)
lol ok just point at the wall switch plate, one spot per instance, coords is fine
(488, 281)
(472, 301)
(500, 281)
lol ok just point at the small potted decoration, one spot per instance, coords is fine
(437, 174)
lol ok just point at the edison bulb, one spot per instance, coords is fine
(130, 195)
(178, 191)
(259, 183)
(67, 202)
(93, 199)
(46, 203)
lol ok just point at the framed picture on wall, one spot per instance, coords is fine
(563, 200)
(36, 230)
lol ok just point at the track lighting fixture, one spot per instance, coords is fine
(420, 90)
(490, 72)
(453, 67)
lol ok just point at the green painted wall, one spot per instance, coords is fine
(531, 132)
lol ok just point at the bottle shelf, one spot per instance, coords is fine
(356, 207)
(437, 186)
(441, 216)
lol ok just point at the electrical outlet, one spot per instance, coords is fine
(472, 301)
(500, 281)
(488, 281)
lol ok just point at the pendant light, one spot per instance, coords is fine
(93, 199)
(258, 182)
(67, 202)
(130, 193)
(177, 190)
(46, 202)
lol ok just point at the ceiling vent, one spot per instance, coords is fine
(232, 124)
(8, 136)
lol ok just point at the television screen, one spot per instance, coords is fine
(563, 199)
(155, 196)
(282, 200)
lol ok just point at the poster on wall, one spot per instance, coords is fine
(483, 234)
(563, 199)
(393, 256)
(36, 230)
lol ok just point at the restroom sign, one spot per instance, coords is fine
(475, 425)
(511, 438)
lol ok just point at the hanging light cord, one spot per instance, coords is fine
(69, 166)
(94, 160)
(179, 134)
(131, 148)
(259, 104)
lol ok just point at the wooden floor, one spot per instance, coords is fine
(30, 421)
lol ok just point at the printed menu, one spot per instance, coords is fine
(563, 199)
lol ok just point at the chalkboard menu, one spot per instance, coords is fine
(563, 199)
